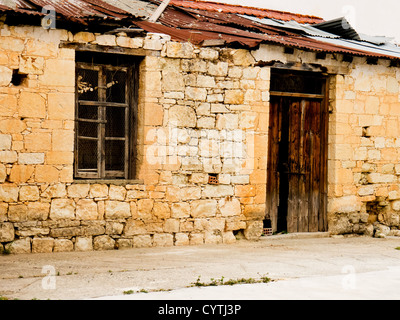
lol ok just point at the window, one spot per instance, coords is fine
(105, 119)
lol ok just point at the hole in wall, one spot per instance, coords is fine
(18, 78)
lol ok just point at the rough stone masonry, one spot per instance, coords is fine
(201, 112)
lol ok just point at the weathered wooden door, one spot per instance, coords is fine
(297, 162)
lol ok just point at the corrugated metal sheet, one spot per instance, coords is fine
(204, 21)
(251, 11)
(340, 27)
(139, 9)
(75, 10)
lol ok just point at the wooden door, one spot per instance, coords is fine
(297, 161)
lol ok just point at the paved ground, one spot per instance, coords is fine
(309, 266)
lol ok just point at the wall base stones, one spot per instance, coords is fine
(63, 222)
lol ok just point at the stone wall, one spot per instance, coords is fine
(202, 112)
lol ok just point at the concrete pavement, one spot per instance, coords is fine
(306, 266)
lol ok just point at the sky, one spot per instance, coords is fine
(372, 17)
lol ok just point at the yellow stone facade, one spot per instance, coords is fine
(201, 112)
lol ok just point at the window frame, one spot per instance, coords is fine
(130, 105)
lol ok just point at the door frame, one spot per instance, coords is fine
(272, 196)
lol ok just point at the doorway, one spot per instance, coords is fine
(297, 153)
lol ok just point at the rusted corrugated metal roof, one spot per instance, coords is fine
(250, 11)
(198, 21)
(74, 10)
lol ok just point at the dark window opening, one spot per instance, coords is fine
(106, 104)
(296, 82)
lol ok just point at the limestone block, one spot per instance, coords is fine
(29, 193)
(242, 57)
(229, 207)
(153, 114)
(86, 209)
(145, 207)
(203, 208)
(45, 173)
(105, 40)
(12, 125)
(117, 210)
(345, 204)
(217, 191)
(122, 244)
(42, 245)
(38, 141)
(196, 238)
(180, 50)
(8, 107)
(172, 80)
(171, 226)
(3, 211)
(5, 141)
(227, 121)
(234, 97)
(62, 209)
(182, 116)
(161, 210)
(84, 37)
(254, 211)
(31, 158)
(132, 43)
(381, 178)
(212, 238)
(115, 228)
(205, 81)
(396, 205)
(196, 94)
(17, 213)
(38, 211)
(83, 244)
(117, 192)
(163, 240)
(190, 193)
(78, 190)
(31, 105)
(219, 69)
(52, 76)
(8, 156)
(7, 233)
(98, 191)
(254, 230)
(142, 241)
(366, 191)
(61, 106)
(228, 237)
(180, 210)
(3, 173)
(208, 54)
(55, 191)
(103, 243)
(5, 76)
(93, 227)
(63, 245)
(8, 193)
(181, 239)
(134, 227)
(62, 140)
(19, 246)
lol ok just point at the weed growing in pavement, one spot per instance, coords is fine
(398, 248)
(230, 282)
